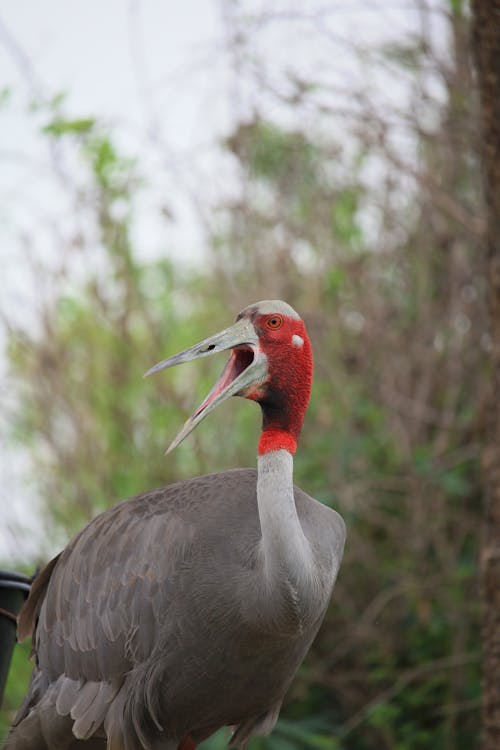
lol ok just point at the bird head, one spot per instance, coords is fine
(270, 362)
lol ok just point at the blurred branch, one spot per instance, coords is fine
(22, 61)
(405, 679)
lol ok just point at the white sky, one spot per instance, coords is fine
(129, 63)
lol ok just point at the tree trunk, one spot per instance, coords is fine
(486, 43)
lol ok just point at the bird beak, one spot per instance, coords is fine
(246, 367)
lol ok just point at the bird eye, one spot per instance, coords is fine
(276, 321)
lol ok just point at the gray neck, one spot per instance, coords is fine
(288, 562)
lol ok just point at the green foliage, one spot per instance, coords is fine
(344, 220)
(59, 127)
(459, 7)
(17, 684)
(5, 94)
(274, 155)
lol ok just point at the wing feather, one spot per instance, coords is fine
(110, 591)
(67, 695)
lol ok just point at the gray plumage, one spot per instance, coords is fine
(153, 619)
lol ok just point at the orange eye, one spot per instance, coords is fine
(274, 322)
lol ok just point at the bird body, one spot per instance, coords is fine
(184, 609)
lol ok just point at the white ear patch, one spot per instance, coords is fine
(297, 340)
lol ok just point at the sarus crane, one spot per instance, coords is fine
(191, 607)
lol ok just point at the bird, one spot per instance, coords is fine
(190, 608)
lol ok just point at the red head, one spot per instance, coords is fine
(284, 395)
(271, 363)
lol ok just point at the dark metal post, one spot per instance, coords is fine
(14, 588)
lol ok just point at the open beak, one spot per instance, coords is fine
(247, 366)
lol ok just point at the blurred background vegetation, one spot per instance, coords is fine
(376, 240)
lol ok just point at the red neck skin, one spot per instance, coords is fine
(286, 397)
(274, 439)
